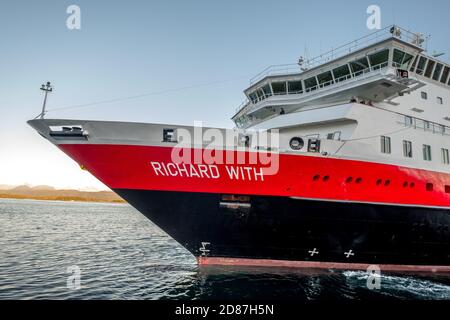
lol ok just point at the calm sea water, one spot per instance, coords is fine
(122, 255)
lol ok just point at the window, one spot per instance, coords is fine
(429, 69)
(439, 100)
(341, 73)
(413, 66)
(253, 97)
(445, 74)
(445, 156)
(408, 121)
(426, 125)
(359, 65)
(279, 88)
(407, 149)
(398, 57)
(401, 59)
(295, 87)
(421, 65)
(385, 144)
(311, 84)
(424, 95)
(267, 91)
(379, 58)
(325, 78)
(260, 94)
(426, 152)
(437, 72)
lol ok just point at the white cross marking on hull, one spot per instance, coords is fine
(349, 253)
(313, 252)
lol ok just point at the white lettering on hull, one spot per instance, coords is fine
(206, 171)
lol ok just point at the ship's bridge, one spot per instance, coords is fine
(372, 69)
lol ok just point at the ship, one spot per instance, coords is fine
(335, 162)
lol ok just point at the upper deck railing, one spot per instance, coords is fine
(390, 32)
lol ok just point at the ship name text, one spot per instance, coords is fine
(207, 171)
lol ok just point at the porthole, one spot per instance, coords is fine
(405, 184)
(358, 180)
(429, 186)
(379, 181)
(296, 143)
(326, 178)
(387, 182)
(411, 185)
(316, 177)
(348, 180)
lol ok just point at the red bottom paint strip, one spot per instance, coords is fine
(320, 265)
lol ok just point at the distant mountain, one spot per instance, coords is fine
(49, 193)
(43, 187)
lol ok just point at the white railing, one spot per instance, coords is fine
(425, 125)
(250, 105)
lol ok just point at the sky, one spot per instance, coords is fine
(192, 58)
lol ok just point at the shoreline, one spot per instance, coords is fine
(60, 198)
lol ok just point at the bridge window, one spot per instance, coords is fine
(341, 73)
(437, 71)
(445, 156)
(385, 144)
(295, 87)
(439, 100)
(279, 88)
(426, 152)
(253, 97)
(359, 65)
(445, 74)
(325, 78)
(379, 58)
(267, 91)
(413, 66)
(260, 94)
(401, 59)
(407, 149)
(421, 65)
(311, 84)
(429, 69)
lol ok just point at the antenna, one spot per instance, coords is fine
(47, 88)
(437, 54)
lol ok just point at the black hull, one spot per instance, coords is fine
(282, 228)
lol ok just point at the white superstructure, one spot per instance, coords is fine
(381, 98)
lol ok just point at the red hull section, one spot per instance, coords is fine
(130, 167)
(205, 261)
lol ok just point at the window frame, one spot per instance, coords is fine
(445, 156)
(386, 145)
(407, 149)
(426, 148)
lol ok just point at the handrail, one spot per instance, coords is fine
(339, 80)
